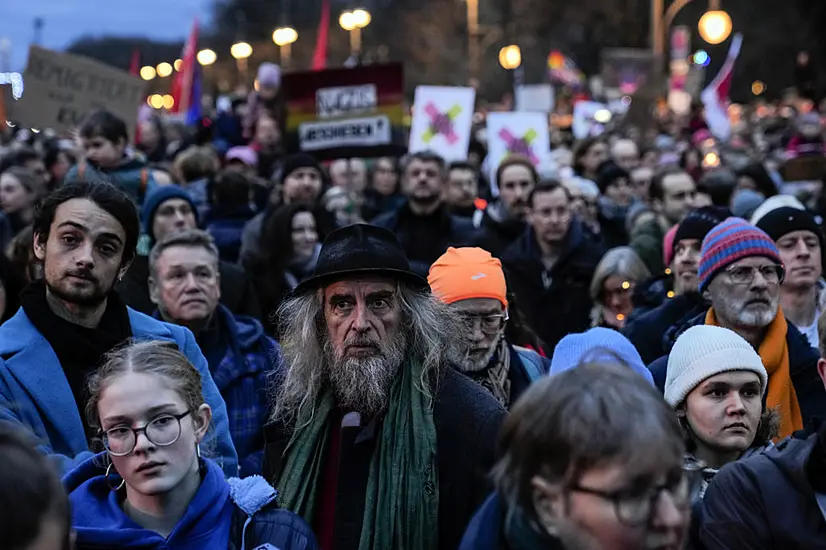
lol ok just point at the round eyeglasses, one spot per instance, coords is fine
(163, 430)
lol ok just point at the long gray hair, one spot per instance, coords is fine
(304, 340)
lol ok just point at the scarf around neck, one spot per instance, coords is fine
(402, 503)
(774, 352)
(494, 377)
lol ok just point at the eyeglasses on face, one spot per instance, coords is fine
(744, 274)
(490, 324)
(163, 430)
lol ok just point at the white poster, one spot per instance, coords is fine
(590, 118)
(535, 97)
(442, 118)
(352, 132)
(524, 134)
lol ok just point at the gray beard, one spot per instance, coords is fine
(362, 384)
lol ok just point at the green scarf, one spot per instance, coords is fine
(402, 504)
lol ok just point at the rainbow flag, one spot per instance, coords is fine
(563, 70)
(186, 88)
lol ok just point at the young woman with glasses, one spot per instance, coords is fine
(151, 488)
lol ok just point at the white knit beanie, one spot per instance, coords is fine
(704, 351)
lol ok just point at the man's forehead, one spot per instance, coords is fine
(753, 261)
(174, 202)
(479, 305)
(88, 216)
(185, 255)
(361, 285)
(799, 234)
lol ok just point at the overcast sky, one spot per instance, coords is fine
(67, 20)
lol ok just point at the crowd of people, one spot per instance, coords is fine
(209, 342)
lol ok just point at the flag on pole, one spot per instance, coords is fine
(716, 96)
(186, 87)
(135, 63)
(320, 55)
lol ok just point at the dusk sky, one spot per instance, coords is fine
(67, 20)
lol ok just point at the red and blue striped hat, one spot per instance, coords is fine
(730, 241)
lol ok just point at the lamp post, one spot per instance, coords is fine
(715, 24)
(473, 38)
(353, 22)
(241, 51)
(284, 38)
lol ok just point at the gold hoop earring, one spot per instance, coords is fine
(109, 483)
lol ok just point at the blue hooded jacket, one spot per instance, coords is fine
(132, 176)
(224, 514)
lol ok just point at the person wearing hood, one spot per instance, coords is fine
(151, 489)
(167, 210)
(184, 284)
(230, 197)
(550, 267)
(503, 220)
(616, 198)
(105, 143)
(684, 302)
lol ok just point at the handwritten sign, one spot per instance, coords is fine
(521, 133)
(442, 118)
(61, 89)
(345, 100)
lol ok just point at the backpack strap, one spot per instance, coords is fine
(532, 362)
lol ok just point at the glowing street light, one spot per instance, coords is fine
(510, 57)
(758, 87)
(156, 101)
(164, 69)
(168, 102)
(715, 26)
(147, 72)
(284, 37)
(178, 64)
(240, 50)
(206, 57)
(353, 22)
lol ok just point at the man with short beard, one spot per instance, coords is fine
(376, 441)
(740, 273)
(85, 236)
(472, 282)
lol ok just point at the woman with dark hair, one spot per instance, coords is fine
(382, 195)
(756, 178)
(291, 253)
(589, 154)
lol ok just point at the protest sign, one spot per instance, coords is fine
(589, 119)
(524, 134)
(442, 118)
(61, 89)
(346, 112)
(535, 97)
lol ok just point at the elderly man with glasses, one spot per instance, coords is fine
(740, 274)
(473, 283)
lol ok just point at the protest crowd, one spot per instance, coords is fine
(231, 332)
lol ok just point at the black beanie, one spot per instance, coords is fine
(782, 221)
(608, 173)
(297, 161)
(699, 223)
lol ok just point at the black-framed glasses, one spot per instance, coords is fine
(163, 430)
(635, 507)
(744, 274)
(490, 324)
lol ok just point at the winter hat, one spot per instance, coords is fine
(730, 241)
(464, 273)
(242, 153)
(297, 161)
(745, 202)
(669, 244)
(704, 351)
(608, 173)
(698, 223)
(597, 344)
(159, 196)
(269, 75)
(782, 221)
(773, 203)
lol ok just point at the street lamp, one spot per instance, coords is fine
(284, 38)
(510, 57)
(715, 26)
(147, 72)
(715, 23)
(353, 22)
(206, 57)
(241, 51)
(164, 69)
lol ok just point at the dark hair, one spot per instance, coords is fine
(516, 160)
(519, 332)
(758, 173)
(424, 156)
(13, 282)
(580, 150)
(102, 123)
(547, 186)
(460, 165)
(719, 184)
(565, 424)
(476, 146)
(657, 188)
(20, 157)
(30, 492)
(229, 189)
(21, 253)
(108, 197)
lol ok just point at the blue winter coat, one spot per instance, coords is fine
(131, 176)
(232, 514)
(34, 391)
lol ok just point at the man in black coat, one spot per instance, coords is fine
(550, 267)
(424, 225)
(376, 441)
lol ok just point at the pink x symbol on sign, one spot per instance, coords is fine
(441, 123)
(519, 145)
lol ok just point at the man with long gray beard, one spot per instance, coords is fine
(740, 274)
(375, 440)
(473, 283)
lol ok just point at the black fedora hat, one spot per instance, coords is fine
(360, 249)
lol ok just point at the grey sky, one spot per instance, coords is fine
(67, 20)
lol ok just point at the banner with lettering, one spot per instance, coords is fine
(350, 112)
(520, 133)
(61, 89)
(442, 119)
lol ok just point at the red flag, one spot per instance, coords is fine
(716, 96)
(320, 55)
(182, 85)
(135, 64)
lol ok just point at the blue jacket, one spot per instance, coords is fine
(227, 229)
(131, 176)
(486, 531)
(232, 514)
(34, 391)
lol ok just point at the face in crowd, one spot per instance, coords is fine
(746, 294)
(484, 321)
(14, 196)
(550, 215)
(304, 235)
(267, 133)
(594, 157)
(679, 192)
(626, 154)
(422, 182)
(515, 188)
(801, 255)
(686, 265)
(302, 186)
(173, 216)
(385, 178)
(620, 192)
(640, 181)
(186, 284)
(462, 187)
(349, 174)
(103, 152)
(83, 253)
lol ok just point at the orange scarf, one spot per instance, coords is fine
(774, 352)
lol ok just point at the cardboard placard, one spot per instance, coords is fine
(538, 98)
(523, 134)
(442, 119)
(584, 124)
(61, 89)
(349, 112)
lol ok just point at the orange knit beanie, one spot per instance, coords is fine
(464, 273)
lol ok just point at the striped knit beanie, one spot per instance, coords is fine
(730, 241)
